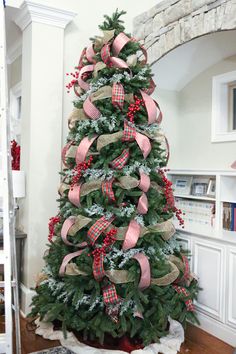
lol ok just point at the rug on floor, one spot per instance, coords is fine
(55, 350)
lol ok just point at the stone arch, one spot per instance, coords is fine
(172, 23)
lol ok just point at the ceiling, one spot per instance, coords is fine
(180, 66)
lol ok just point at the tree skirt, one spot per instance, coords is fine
(168, 345)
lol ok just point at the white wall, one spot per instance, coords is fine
(169, 104)
(195, 149)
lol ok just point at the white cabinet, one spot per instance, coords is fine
(208, 264)
(231, 293)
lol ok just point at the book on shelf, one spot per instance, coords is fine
(197, 212)
(229, 216)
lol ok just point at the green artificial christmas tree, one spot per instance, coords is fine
(114, 267)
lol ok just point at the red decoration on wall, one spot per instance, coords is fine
(15, 155)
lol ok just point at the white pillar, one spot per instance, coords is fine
(41, 139)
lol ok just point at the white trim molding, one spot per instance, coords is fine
(220, 113)
(34, 12)
(14, 51)
(26, 299)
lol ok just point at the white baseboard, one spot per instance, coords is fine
(26, 299)
(217, 329)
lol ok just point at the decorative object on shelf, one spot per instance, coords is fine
(211, 189)
(229, 216)
(199, 186)
(182, 184)
(15, 154)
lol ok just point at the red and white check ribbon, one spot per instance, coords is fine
(188, 302)
(83, 149)
(145, 279)
(74, 195)
(118, 95)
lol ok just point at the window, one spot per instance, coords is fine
(15, 112)
(224, 107)
(232, 106)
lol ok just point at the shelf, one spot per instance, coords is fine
(210, 233)
(194, 197)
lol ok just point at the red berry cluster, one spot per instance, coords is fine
(133, 108)
(107, 242)
(51, 226)
(170, 200)
(73, 81)
(15, 155)
(77, 171)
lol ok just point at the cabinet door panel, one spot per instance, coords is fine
(231, 303)
(209, 265)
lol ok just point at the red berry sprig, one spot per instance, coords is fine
(73, 81)
(170, 200)
(107, 242)
(51, 226)
(134, 108)
(78, 170)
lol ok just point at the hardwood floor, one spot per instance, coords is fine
(197, 342)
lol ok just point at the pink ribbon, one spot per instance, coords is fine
(67, 259)
(109, 60)
(143, 143)
(142, 140)
(132, 235)
(150, 107)
(90, 109)
(119, 42)
(68, 223)
(145, 279)
(143, 204)
(74, 195)
(118, 95)
(90, 54)
(144, 183)
(233, 165)
(83, 149)
(64, 152)
(84, 85)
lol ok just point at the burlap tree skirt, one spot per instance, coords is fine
(168, 345)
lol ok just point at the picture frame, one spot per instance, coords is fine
(211, 189)
(199, 188)
(182, 185)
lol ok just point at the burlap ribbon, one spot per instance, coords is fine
(123, 276)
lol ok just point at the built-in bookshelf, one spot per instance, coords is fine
(203, 197)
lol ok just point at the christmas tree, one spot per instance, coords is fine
(114, 266)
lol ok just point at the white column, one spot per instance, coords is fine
(41, 139)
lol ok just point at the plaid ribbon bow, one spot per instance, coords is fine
(129, 132)
(121, 160)
(112, 302)
(106, 54)
(99, 227)
(107, 189)
(185, 292)
(118, 95)
(98, 268)
(110, 295)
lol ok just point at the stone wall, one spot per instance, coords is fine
(174, 22)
